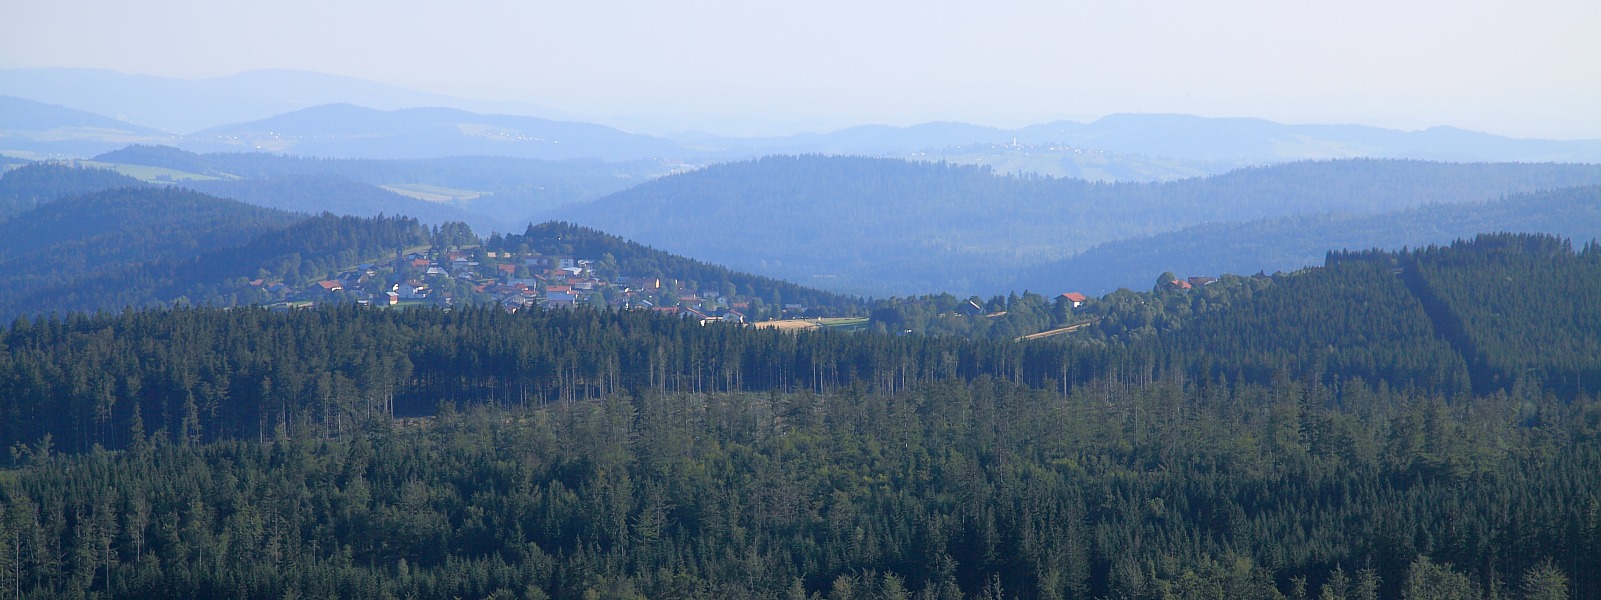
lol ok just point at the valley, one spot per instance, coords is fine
(334, 339)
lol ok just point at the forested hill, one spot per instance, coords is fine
(1309, 435)
(623, 256)
(883, 227)
(28, 186)
(1290, 243)
(127, 225)
(1479, 316)
(153, 246)
(1463, 318)
(156, 245)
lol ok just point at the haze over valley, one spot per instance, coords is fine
(823, 301)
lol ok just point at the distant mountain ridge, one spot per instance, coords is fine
(349, 131)
(187, 105)
(41, 128)
(29, 115)
(277, 98)
(1231, 141)
(888, 227)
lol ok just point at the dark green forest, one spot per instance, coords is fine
(1382, 427)
(26, 187)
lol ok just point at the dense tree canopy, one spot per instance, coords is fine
(1377, 428)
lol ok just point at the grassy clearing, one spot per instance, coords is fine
(844, 323)
(149, 174)
(1059, 331)
(790, 325)
(837, 323)
(432, 193)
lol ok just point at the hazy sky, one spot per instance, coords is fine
(1530, 68)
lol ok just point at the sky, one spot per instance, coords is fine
(1525, 69)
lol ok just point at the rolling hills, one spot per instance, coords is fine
(889, 227)
(503, 191)
(1290, 243)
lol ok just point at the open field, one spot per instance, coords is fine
(432, 193)
(1058, 331)
(844, 323)
(149, 174)
(839, 323)
(790, 325)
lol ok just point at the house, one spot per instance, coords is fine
(392, 298)
(1076, 299)
(969, 309)
(560, 299)
(1200, 281)
(331, 286)
(1180, 284)
(411, 290)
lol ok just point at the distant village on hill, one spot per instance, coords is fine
(518, 281)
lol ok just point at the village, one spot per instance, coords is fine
(518, 281)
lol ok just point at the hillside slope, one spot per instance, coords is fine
(26, 187)
(318, 193)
